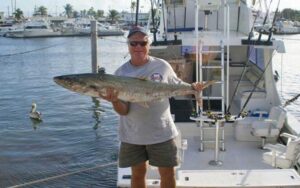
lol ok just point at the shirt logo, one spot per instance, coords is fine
(156, 77)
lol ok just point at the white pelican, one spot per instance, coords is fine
(35, 114)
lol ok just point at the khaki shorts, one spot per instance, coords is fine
(161, 155)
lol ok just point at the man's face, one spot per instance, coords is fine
(138, 46)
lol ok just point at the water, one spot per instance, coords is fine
(287, 65)
(77, 132)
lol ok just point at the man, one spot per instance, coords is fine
(146, 133)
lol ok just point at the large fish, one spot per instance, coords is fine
(129, 89)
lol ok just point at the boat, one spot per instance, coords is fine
(37, 27)
(242, 135)
(8, 27)
(285, 27)
(4, 28)
(83, 27)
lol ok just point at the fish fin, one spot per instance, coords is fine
(208, 83)
(143, 104)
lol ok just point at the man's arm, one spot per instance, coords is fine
(119, 106)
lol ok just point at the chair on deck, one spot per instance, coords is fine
(270, 127)
(283, 156)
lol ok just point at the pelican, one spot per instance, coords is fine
(35, 114)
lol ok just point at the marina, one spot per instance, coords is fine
(40, 27)
(76, 144)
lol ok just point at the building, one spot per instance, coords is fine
(129, 18)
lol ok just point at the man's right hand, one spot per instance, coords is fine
(111, 95)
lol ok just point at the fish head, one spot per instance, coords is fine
(67, 81)
(86, 84)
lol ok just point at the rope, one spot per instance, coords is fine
(63, 175)
(51, 46)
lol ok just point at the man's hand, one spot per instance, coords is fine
(111, 95)
(197, 86)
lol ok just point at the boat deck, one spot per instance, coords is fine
(238, 155)
(242, 163)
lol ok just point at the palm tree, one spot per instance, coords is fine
(100, 14)
(113, 15)
(18, 14)
(91, 12)
(68, 10)
(42, 11)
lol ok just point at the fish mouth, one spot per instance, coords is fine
(58, 79)
(62, 80)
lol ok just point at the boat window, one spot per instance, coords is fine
(176, 2)
(36, 27)
(256, 57)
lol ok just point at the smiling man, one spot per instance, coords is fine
(147, 134)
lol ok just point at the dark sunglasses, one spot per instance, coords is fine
(135, 43)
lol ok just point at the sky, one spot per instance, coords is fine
(55, 7)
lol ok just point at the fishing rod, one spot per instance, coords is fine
(265, 20)
(255, 86)
(153, 29)
(174, 7)
(137, 12)
(288, 102)
(271, 30)
(244, 68)
(164, 21)
(238, 18)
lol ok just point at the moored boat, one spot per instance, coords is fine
(286, 27)
(34, 28)
(242, 135)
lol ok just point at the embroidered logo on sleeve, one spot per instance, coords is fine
(156, 77)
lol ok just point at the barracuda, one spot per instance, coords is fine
(129, 89)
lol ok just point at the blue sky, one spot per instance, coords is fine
(56, 6)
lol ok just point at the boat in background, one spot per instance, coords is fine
(9, 27)
(40, 27)
(37, 27)
(241, 135)
(82, 26)
(286, 27)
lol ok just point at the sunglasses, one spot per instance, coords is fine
(135, 43)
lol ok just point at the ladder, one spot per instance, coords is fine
(202, 119)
